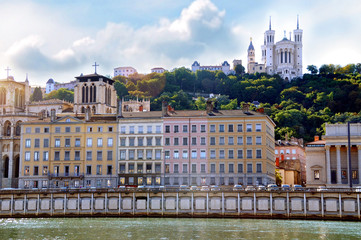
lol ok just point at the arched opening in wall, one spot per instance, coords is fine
(106, 96)
(91, 93)
(17, 148)
(286, 79)
(82, 110)
(18, 128)
(6, 167)
(83, 94)
(94, 109)
(7, 128)
(16, 166)
(95, 94)
(86, 94)
(4, 148)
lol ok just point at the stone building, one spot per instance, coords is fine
(224, 67)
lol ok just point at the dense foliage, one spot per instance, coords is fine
(62, 94)
(329, 94)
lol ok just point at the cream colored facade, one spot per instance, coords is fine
(327, 159)
(44, 107)
(69, 151)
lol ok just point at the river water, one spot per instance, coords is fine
(175, 228)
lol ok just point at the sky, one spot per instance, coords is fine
(62, 39)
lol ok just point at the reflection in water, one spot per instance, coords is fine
(175, 228)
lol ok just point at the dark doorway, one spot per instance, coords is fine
(16, 166)
(6, 167)
(333, 177)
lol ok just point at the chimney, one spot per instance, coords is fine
(164, 108)
(245, 108)
(52, 115)
(317, 138)
(87, 114)
(209, 106)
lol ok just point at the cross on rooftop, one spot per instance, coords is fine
(95, 66)
(7, 70)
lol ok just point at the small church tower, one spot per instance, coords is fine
(298, 48)
(269, 41)
(251, 57)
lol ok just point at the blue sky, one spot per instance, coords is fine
(62, 39)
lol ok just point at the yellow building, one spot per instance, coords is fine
(241, 148)
(69, 151)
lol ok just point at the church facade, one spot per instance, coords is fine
(283, 57)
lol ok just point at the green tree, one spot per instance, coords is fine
(37, 95)
(313, 69)
(239, 69)
(62, 94)
(121, 89)
(200, 103)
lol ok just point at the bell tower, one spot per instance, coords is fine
(298, 48)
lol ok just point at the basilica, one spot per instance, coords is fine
(283, 57)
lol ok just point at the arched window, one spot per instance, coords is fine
(106, 95)
(289, 57)
(95, 94)
(83, 94)
(18, 128)
(82, 110)
(86, 94)
(91, 94)
(281, 56)
(285, 56)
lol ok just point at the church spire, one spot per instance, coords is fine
(269, 22)
(298, 25)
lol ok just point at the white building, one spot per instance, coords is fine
(225, 67)
(158, 70)
(124, 71)
(50, 86)
(284, 57)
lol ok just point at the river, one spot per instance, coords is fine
(175, 228)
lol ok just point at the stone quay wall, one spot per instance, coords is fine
(114, 203)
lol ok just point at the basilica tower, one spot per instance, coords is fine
(298, 48)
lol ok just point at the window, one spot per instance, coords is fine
(221, 140)
(167, 154)
(316, 174)
(203, 128)
(26, 170)
(230, 154)
(287, 151)
(57, 142)
(239, 140)
(57, 129)
(149, 129)
(249, 140)
(140, 169)
(230, 141)
(185, 154)
(99, 155)
(77, 129)
(249, 167)
(131, 154)
(89, 142)
(88, 170)
(89, 155)
(140, 154)
(122, 142)
(67, 142)
(203, 154)
(194, 168)
(212, 128)
(239, 153)
(185, 141)
(203, 168)
(77, 142)
(57, 155)
(230, 127)
(231, 168)
(36, 156)
(258, 140)
(185, 168)
(213, 154)
(110, 142)
(46, 142)
(194, 154)
(122, 154)
(240, 128)
(167, 129)
(213, 168)
(293, 151)
(37, 143)
(221, 128)
(131, 129)
(258, 127)
(175, 154)
(203, 141)
(282, 151)
(132, 141)
(140, 141)
(158, 129)
(194, 128)
(158, 141)
(176, 128)
(148, 167)
(27, 143)
(221, 167)
(122, 129)
(249, 127)
(249, 153)
(45, 170)
(259, 167)
(167, 141)
(109, 155)
(240, 168)
(221, 154)
(110, 129)
(185, 128)
(212, 141)
(158, 167)
(67, 155)
(46, 129)
(149, 141)
(258, 153)
(122, 168)
(109, 169)
(45, 156)
(158, 154)
(176, 170)
(100, 142)
(99, 169)
(176, 141)
(67, 129)
(194, 141)
(77, 155)
(276, 151)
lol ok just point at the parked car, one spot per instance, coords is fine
(204, 188)
(141, 188)
(261, 188)
(250, 188)
(321, 189)
(237, 187)
(357, 189)
(297, 187)
(184, 188)
(272, 187)
(286, 187)
(194, 188)
(215, 188)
